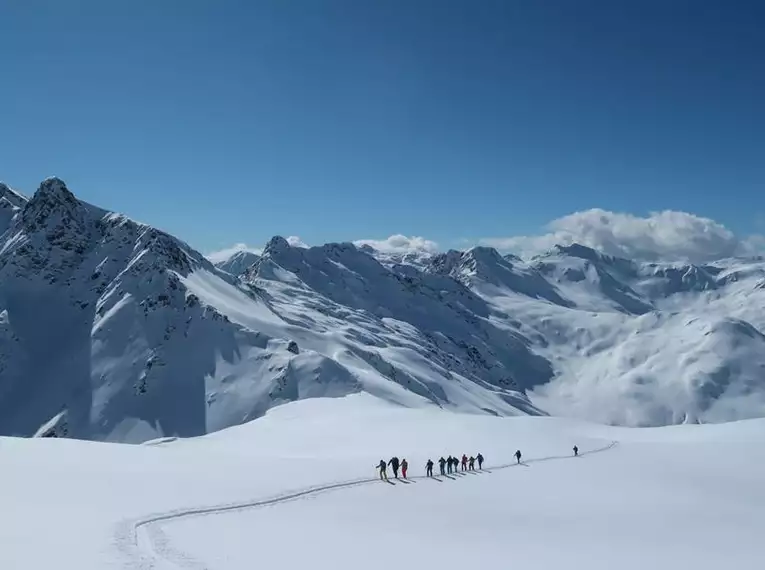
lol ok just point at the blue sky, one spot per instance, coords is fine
(232, 121)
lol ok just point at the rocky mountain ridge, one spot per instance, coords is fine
(111, 329)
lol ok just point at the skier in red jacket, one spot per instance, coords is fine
(404, 467)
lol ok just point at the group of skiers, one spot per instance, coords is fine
(446, 466)
(451, 464)
(394, 464)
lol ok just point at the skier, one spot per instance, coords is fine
(429, 468)
(518, 456)
(381, 467)
(404, 467)
(471, 463)
(479, 457)
(464, 462)
(441, 464)
(449, 462)
(576, 451)
(394, 463)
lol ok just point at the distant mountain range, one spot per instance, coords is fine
(114, 330)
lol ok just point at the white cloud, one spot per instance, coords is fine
(400, 244)
(754, 245)
(224, 254)
(295, 241)
(667, 235)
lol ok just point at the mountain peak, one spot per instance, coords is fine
(55, 188)
(276, 245)
(480, 261)
(53, 182)
(484, 253)
(577, 250)
(444, 263)
(238, 262)
(53, 196)
(340, 248)
(590, 254)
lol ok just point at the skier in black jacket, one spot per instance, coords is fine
(394, 464)
(479, 457)
(429, 468)
(441, 464)
(518, 456)
(381, 467)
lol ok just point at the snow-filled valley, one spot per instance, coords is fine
(298, 487)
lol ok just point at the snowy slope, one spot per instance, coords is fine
(297, 488)
(113, 330)
(655, 344)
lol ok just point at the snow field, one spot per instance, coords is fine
(685, 496)
(599, 511)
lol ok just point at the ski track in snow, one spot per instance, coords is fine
(147, 547)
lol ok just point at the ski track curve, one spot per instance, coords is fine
(146, 546)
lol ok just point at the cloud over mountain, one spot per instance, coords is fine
(661, 236)
(224, 254)
(295, 241)
(667, 235)
(400, 244)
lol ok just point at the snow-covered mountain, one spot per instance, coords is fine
(238, 262)
(111, 329)
(99, 335)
